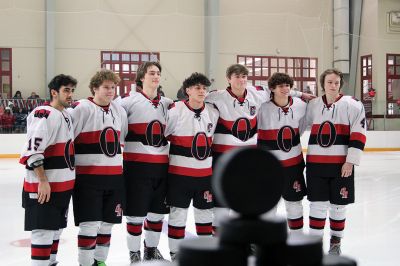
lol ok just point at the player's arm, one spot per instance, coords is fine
(79, 117)
(356, 115)
(44, 189)
(38, 135)
(303, 95)
(171, 120)
(303, 120)
(124, 126)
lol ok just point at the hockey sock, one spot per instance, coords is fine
(176, 227)
(203, 220)
(219, 215)
(87, 238)
(103, 241)
(134, 226)
(153, 227)
(294, 212)
(337, 219)
(41, 243)
(54, 246)
(318, 210)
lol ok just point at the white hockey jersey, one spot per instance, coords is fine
(279, 131)
(50, 138)
(145, 142)
(338, 135)
(237, 124)
(99, 133)
(190, 133)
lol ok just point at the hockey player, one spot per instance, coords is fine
(145, 163)
(100, 126)
(190, 128)
(336, 143)
(281, 122)
(238, 106)
(48, 156)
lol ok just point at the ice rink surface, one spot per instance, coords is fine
(371, 236)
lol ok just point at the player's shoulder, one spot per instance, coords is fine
(44, 112)
(257, 89)
(82, 103)
(215, 94)
(166, 101)
(353, 102)
(176, 106)
(299, 101)
(315, 101)
(117, 106)
(351, 99)
(212, 109)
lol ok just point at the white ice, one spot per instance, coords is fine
(371, 236)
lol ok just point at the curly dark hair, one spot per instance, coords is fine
(61, 80)
(279, 79)
(328, 72)
(194, 79)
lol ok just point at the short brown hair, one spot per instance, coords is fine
(102, 76)
(236, 69)
(142, 70)
(328, 72)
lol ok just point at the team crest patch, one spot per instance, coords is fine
(297, 186)
(344, 193)
(208, 196)
(209, 127)
(118, 210)
(252, 110)
(42, 113)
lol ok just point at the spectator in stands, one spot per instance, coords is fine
(20, 120)
(33, 95)
(7, 121)
(17, 95)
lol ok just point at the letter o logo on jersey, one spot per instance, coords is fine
(329, 127)
(109, 151)
(155, 134)
(69, 152)
(201, 148)
(280, 140)
(241, 129)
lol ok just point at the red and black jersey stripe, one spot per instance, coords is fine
(187, 152)
(95, 148)
(339, 139)
(227, 127)
(189, 172)
(151, 134)
(58, 162)
(273, 144)
(357, 140)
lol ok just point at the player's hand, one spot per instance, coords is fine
(308, 96)
(44, 191)
(347, 169)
